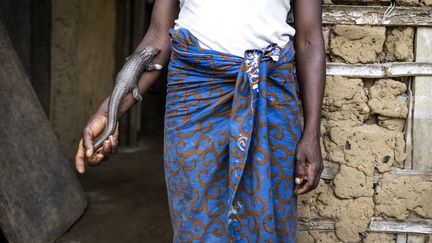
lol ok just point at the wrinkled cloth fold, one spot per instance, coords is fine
(232, 125)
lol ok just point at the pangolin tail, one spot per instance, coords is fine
(113, 107)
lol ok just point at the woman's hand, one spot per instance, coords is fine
(92, 130)
(309, 165)
(311, 72)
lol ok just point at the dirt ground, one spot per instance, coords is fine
(127, 200)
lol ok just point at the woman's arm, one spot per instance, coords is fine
(310, 65)
(163, 15)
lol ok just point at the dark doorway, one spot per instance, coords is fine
(28, 23)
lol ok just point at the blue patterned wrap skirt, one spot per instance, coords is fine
(232, 125)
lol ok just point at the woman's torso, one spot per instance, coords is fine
(233, 26)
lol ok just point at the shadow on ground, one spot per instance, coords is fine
(127, 199)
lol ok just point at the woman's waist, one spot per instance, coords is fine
(235, 40)
(185, 46)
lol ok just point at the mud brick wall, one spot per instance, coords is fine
(364, 136)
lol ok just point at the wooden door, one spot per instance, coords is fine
(40, 196)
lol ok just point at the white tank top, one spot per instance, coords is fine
(233, 26)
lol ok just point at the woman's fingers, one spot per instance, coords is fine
(102, 154)
(95, 159)
(113, 144)
(300, 170)
(97, 156)
(88, 140)
(80, 158)
(106, 147)
(314, 170)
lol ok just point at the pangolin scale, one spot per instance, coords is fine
(127, 81)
